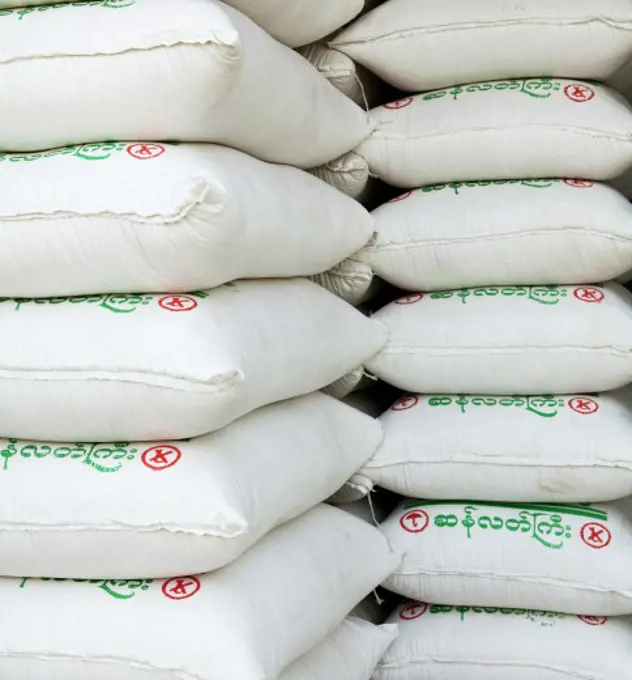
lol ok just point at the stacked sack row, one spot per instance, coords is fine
(511, 339)
(151, 302)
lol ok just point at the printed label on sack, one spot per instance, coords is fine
(545, 406)
(92, 152)
(551, 526)
(537, 88)
(118, 303)
(457, 187)
(104, 457)
(544, 295)
(178, 588)
(22, 12)
(411, 611)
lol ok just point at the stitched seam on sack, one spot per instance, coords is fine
(333, 73)
(197, 196)
(401, 348)
(361, 278)
(468, 26)
(379, 136)
(548, 581)
(516, 664)
(49, 656)
(203, 532)
(126, 50)
(505, 462)
(221, 383)
(394, 245)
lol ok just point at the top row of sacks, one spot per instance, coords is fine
(158, 70)
(205, 71)
(420, 45)
(293, 22)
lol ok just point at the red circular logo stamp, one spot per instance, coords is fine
(595, 535)
(178, 303)
(583, 406)
(593, 620)
(413, 610)
(181, 588)
(399, 104)
(144, 152)
(579, 183)
(415, 521)
(589, 294)
(161, 457)
(397, 199)
(405, 404)
(579, 93)
(409, 299)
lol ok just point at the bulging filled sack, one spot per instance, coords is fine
(146, 217)
(567, 558)
(178, 507)
(452, 643)
(195, 71)
(343, 73)
(511, 129)
(298, 22)
(558, 449)
(501, 232)
(421, 45)
(160, 367)
(507, 340)
(351, 652)
(234, 623)
(373, 402)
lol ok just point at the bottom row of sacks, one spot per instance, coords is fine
(298, 605)
(475, 643)
(280, 611)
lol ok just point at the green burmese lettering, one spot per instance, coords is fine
(99, 454)
(20, 13)
(124, 304)
(28, 451)
(439, 401)
(545, 407)
(107, 585)
(543, 525)
(538, 88)
(8, 452)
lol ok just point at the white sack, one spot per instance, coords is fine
(508, 340)
(147, 217)
(343, 73)
(160, 367)
(234, 624)
(514, 129)
(154, 510)
(298, 22)
(351, 652)
(421, 45)
(357, 487)
(556, 449)
(567, 558)
(502, 232)
(353, 494)
(439, 642)
(349, 174)
(191, 70)
(351, 280)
